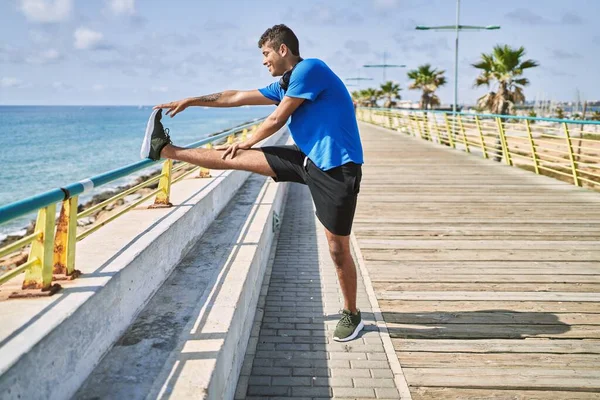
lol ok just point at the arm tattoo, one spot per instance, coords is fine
(209, 98)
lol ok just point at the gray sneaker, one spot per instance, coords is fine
(348, 327)
(156, 137)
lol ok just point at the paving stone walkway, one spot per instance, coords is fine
(291, 353)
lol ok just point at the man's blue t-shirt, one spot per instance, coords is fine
(324, 126)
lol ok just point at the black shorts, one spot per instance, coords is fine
(334, 191)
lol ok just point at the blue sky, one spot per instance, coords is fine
(57, 52)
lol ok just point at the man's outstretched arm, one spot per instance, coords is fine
(228, 98)
(270, 125)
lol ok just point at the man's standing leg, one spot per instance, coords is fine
(351, 323)
(339, 249)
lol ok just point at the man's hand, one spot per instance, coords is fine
(174, 107)
(231, 150)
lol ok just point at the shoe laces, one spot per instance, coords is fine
(346, 319)
(166, 131)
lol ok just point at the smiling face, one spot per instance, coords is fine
(273, 59)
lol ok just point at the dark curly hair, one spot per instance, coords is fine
(278, 35)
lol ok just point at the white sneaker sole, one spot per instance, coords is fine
(354, 334)
(145, 150)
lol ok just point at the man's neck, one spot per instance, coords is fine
(293, 63)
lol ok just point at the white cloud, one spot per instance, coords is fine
(47, 11)
(98, 88)
(86, 39)
(44, 57)
(161, 89)
(122, 7)
(10, 82)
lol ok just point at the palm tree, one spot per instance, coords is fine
(502, 67)
(358, 97)
(560, 113)
(371, 95)
(596, 116)
(427, 80)
(362, 98)
(389, 91)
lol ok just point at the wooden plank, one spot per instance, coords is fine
(391, 269)
(434, 198)
(490, 304)
(529, 345)
(473, 244)
(447, 276)
(466, 226)
(384, 217)
(486, 287)
(492, 331)
(433, 254)
(498, 360)
(518, 265)
(498, 378)
(491, 316)
(492, 210)
(483, 296)
(436, 393)
(467, 236)
(483, 208)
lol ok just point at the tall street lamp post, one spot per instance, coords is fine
(384, 65)
(457, 28)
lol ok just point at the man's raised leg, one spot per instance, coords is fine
(252, 160)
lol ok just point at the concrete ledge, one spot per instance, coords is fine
(49, 346)
(207, 360)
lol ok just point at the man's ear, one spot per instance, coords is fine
(283, 50)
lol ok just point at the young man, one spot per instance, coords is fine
(327, 156)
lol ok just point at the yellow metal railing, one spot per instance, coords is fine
(564, 149)
(52, 245)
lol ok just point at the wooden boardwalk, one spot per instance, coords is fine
(488, 276)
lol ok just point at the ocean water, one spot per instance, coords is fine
(43, 147)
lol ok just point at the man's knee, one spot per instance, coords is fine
(339, 253)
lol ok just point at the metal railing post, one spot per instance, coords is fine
(205, 172)
(421, 133)
(533, 151)
(571, 155)
(503, 141)
(426, 127)
(39, 275)
(412, 129)
(485, 154)
(396, 125)
(464, 135)
(65, 240)
(449, 131)
(162, 197)
(437, 130)
(245, 134)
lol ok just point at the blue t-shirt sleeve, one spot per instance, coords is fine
(272, 92)
(307, 81)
